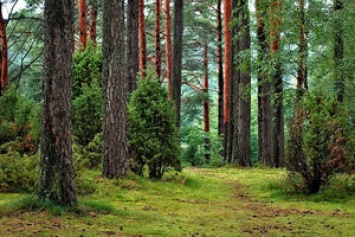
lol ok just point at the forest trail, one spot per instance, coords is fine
(224, 202)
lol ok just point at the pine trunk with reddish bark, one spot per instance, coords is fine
(158, 57)
(3, 57)
(93, 20)
(82, 23)
(220, 69)
(142, 39)
(227, 79)
(168, 47)
(206, 104)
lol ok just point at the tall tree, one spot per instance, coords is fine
(168, 48)
(115, 160)
(3, 57)
(339, 51)
(177, 58)
(57, 181)
(133, 50)
(244, 87)
(278, 135)
(82, 23)
(93, 20)
(158, 56)
(206, 103)
(264, 88)
(302, 51)
(220, 68)
(227, 78)
(142, 39)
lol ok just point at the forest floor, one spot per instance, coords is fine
(198, 202)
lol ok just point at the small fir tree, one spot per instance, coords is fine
(153, 136)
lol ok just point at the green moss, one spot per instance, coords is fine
(205, 202)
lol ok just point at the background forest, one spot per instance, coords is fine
(148, 89)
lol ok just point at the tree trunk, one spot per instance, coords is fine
(93, 20)
(206, 104)
(278, 114)
(157, 38)
(168, 49)
(227, 78)
(57, 181)
(234, 118)
(302, 53)
(264, 90)
(133, 45)
(220, 69)
(339, 51)
(244, 88)
(142, 39)
(115, 160)
(4, 58)
(177, 58)
(82, 24)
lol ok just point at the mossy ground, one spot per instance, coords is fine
(201, 202)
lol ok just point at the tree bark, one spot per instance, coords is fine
(93, 20)
(264, 89)
(133, 44)
(227, 78)
(278, 136)
(57, 178)
(302, 53)
(4, 77)
(158, 57)
(339, 51)
(177, 58)
(168, 48)
(220, 69)
(142, 39)
(115, 160)
(82, 24)
(244, 88)
(206, 104)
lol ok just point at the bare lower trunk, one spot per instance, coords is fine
(82, 23)
(142, 39)
(115, 160)
(133, 49)
(57, 182)
(93, 20)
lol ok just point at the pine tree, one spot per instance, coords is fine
(57, 175)
(115, 160)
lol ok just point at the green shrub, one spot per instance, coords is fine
(153, 136)
(87, 113)
(19, 123)
(317, 146)
(19, 174)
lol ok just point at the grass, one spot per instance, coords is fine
(199, 202)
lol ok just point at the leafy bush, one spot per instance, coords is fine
(318, 142)
(87, 113)
(87, 68)
(19, 123)
(87, 94)
(19, 174)
(194, 147)
(153, 136)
